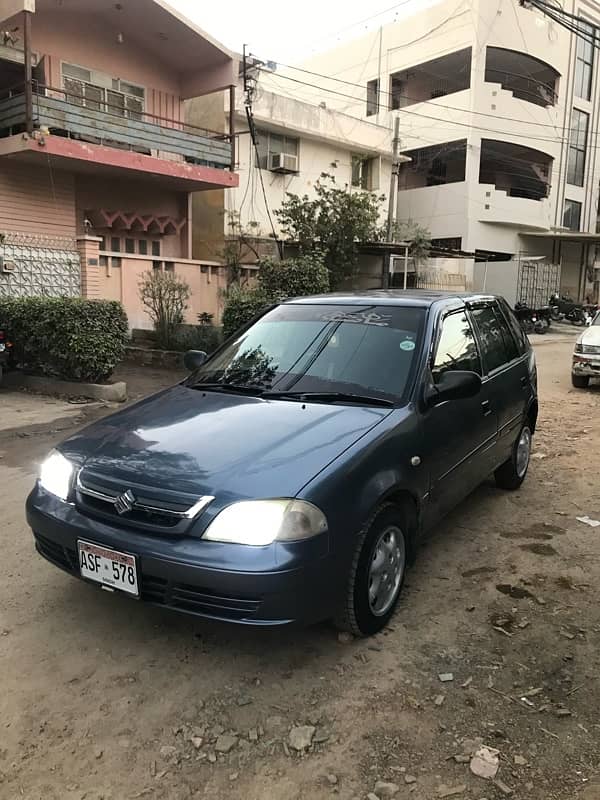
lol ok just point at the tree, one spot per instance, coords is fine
(240, 245)
(418, 237)
(165, 297)
(334, 222)
(292, 277)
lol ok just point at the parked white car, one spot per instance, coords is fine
(586, 358)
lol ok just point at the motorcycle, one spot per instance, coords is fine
(7, 355)
(562, 308)
(531, 321)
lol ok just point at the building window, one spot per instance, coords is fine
(447, 243)
(155, 248)
(143, 247)
(130, 246)
(584, 60)
(372, 97)
(275, 144)
(577, 147)
(365, 172)
(99, 92)
(169, 266)
(115, 244)
(116, 261)
(572, 215)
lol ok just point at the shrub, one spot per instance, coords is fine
(240, 306)
(197, 337)
(292, 277)
(165, 297)
(69, 338)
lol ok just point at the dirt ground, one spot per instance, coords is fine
(101, 697)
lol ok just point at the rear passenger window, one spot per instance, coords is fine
(457, 349)
(497, 342)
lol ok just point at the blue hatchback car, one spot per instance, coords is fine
(290, 477)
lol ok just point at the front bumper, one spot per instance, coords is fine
(587, 364)
(264, 586)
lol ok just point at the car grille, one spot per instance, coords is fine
(162, 592)
(137, 506)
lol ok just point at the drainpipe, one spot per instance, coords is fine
(232, 126)
(28, 72)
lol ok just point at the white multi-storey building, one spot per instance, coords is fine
(498, 108)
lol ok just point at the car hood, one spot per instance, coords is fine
(591, 335)
(220, 444)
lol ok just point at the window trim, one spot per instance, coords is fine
(438, 337)
(497, 309)
(579, 59)
(576, 203)
(264, 132)
(577, 148)
(373, 97)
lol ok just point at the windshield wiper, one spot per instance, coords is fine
(233, 388)
(330, 397)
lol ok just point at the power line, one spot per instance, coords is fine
(408, 97)
(424, 116)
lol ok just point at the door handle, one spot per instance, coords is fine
(487, 410)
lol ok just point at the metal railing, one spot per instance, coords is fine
(107, 123)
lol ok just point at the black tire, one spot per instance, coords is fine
(355, 613)
(511, 474)
(580, 381)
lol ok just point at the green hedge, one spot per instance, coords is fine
(292, 277)
(69, 338)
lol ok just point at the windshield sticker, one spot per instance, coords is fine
(360, 318)
(407, 345)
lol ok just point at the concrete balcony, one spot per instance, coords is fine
(497, 206)
(96, 137)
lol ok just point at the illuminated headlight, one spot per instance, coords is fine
(579, 347)
(56, 475)
(261, 522)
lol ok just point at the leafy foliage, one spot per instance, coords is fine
(334, 222)
(197, 337)
(165, 296)
(292, 277)
(416, 235)
(241, 305)
(69, 338)
(240, 245)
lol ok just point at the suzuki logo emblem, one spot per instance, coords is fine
(125, 502)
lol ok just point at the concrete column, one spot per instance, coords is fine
(89, 256)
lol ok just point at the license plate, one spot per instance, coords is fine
(108, 567)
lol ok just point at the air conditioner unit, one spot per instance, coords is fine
(283, 162)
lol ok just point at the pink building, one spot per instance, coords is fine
(97, 166)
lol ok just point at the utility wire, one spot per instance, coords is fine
(414, 99)
(424, 116)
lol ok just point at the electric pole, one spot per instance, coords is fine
(392, 200)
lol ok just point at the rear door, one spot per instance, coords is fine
(506, 369)
(459, 435)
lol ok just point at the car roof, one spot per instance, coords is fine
(421, 298)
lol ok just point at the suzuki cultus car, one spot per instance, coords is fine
(291, 476)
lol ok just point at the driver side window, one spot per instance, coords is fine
(457, 349)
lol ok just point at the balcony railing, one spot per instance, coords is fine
(523, 88)
(101, 123)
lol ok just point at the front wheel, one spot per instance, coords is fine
(580, 381)
(511, 474)
(377, 573)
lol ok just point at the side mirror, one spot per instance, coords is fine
(194, 359)
(453, 385)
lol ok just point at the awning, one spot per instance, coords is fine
(564, 236)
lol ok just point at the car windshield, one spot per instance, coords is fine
(596, 320)
(367, 351)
